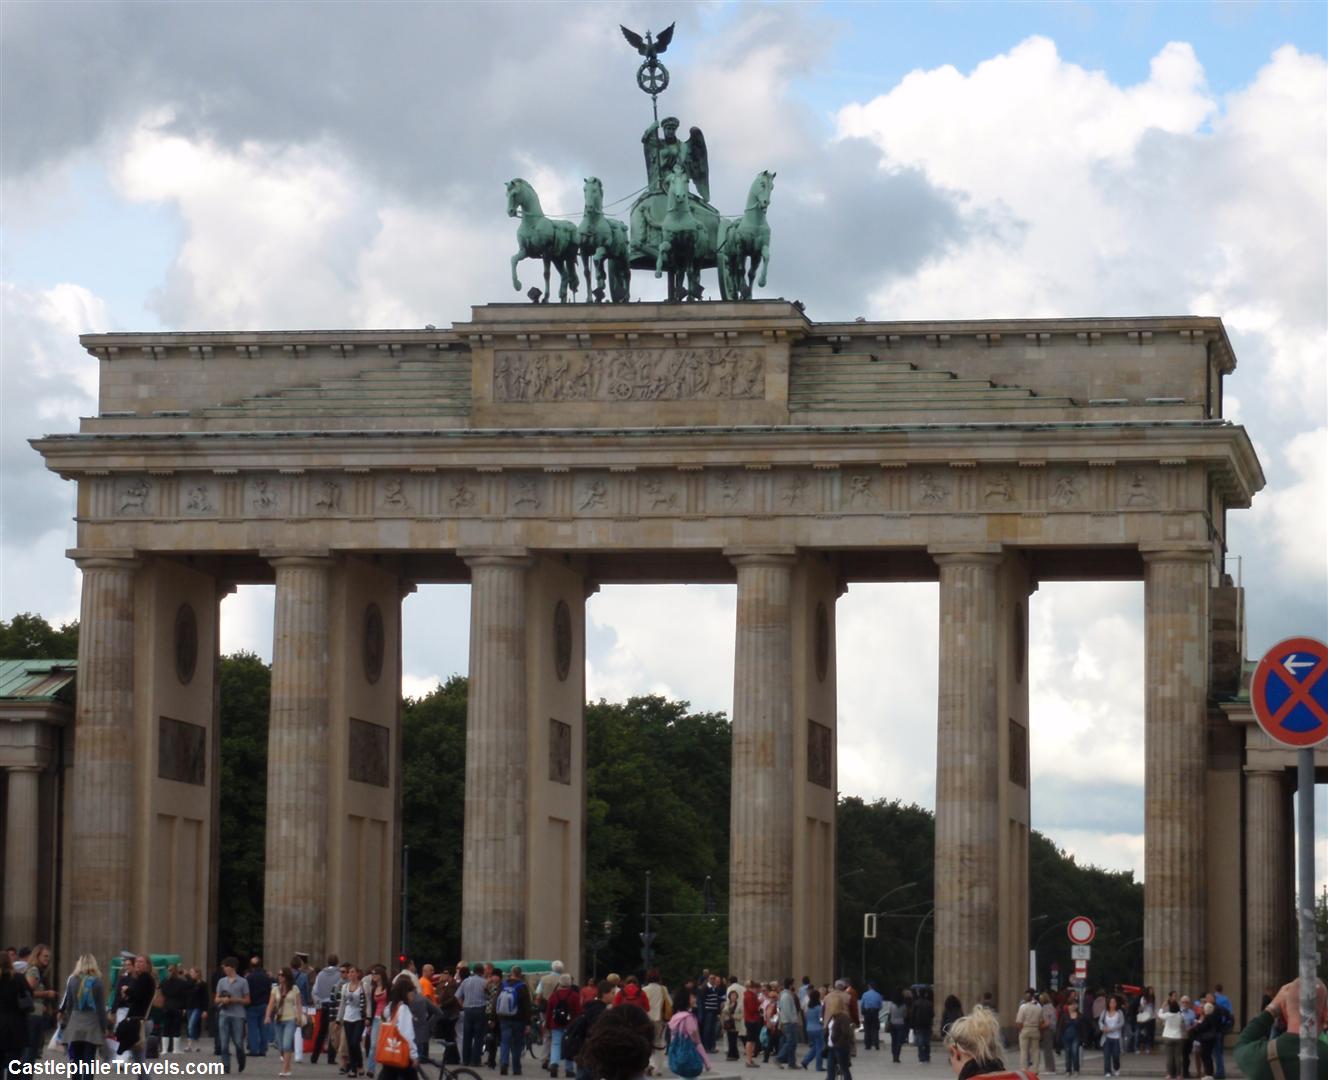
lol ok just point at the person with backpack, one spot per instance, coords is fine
(579, 1032)
(630, 993)
(82, 1011)
(687, 1056)
(513, 1011)
(561, 1008)
(1226, 1020)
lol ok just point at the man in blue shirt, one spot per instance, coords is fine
(870, 1004)
(1227, 1022)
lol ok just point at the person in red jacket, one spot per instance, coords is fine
(752, 1020)
(631, 994)
(560, 1009)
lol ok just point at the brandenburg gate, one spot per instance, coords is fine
(537, 452)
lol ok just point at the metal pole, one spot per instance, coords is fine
(1309, 1020)
(916, 940)
(645, 938)
(405, 893)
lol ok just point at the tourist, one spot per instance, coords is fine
(139, 993)
(1112, 1025)
(513, 1009)
(299, 966)
(174, 1001)
(493, 984)
(1145, 1019)
(870, 1004)
(1173, 1036)
(711, 993)
(397, 1034)
(1206, 1031)
(324, 990)
(449, 1013)
(1028, 1023)
(14, 995)
(751, 1020)
(260, 989)
(898, 1023)
(1226, 1020)
(1262, 1054)
(44, 997)
(770, 1020)
(231, 1000)
(839, 1037)
(683, 1025)
(790, 1017)
(620, 1047)
(952, 1011)
(973, 1044)
(1188, 1019)
(544, 989)
(379, 990)
(285, 1015)
(815, 1029)
(728, 1019)
(1070, 1039)
(1047, 1032)
(659, 1008)
(196, 1008)
(472, 997)
(353, 1008)
(577, 1035)
(561, 1008)
(922, 1018)
(83, 1019)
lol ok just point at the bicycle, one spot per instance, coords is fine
(436, 1070)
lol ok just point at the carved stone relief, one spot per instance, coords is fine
(932, 490)
(793, 493)
(861, 492)
(181, 751)
(560, 752)
(198, 499)
(562, 640)
(1139, 492)
(594, 496)
(998, 490)
(375, 643)
(460, 496)
(394, 494)
(630, 375)
(525, 493)
(657, 495)
(820, 755)
(133, 497)
(1067, 490)
(327, 497)
(264, 496)
(370, 746)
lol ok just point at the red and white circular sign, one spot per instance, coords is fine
(1081, 930)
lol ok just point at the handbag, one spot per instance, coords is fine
(392, 1049)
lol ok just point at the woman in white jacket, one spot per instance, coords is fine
(397, 1012)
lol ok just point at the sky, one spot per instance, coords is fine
(212, 166)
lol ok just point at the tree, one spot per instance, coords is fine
(30, 637)
(246, 684)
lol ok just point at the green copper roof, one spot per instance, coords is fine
(37, 680)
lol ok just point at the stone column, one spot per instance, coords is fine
(1175, 762)
(22, 865)
(494, 863)
(102, 844)
(968, 771)
(1268, 907)
(762, 798)
(295, 883)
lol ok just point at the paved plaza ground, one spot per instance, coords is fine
(867, 1065)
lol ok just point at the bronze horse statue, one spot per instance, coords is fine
(602, 239)
(539, 237)
(744, 243)
(681, 249)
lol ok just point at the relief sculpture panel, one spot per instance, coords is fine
(700, 374)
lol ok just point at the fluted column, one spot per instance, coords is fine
(102, 844)
(967, 778)
(21, 853)
(494, 857)
(761, 801)
(1175, 762)
(1268, 904)
(295, 881)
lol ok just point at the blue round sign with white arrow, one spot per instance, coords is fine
(1289, 692)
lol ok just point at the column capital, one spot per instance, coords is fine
(316, 559)
(1182, 553)
(104, 558)
(25, 768)
(966, 554)
(762, 555)
(515, 557)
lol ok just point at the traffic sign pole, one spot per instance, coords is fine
(1309, 1019)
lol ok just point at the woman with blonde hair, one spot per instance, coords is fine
(973, 1044)
(83, 1010)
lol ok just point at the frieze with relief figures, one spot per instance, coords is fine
(707, 373)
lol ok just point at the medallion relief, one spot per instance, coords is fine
(718, 373)
(198, 499)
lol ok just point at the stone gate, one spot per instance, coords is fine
(537, 452)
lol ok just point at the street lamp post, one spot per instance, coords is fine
(879, 900)
(917, 940)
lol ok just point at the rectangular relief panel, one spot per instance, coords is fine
(1018, 753)
(560, 752)
(820, 754)
(181, 751)
(370, 760)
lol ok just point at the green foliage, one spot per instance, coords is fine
(246, 684)
(30, 637)
(433, 778)
(657, 800)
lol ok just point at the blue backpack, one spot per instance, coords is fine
(683, 1058)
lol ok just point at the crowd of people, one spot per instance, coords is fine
(373, 1023)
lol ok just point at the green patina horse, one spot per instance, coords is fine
(603, 239)
(539, 237)
(744, 243)
(683, 239)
